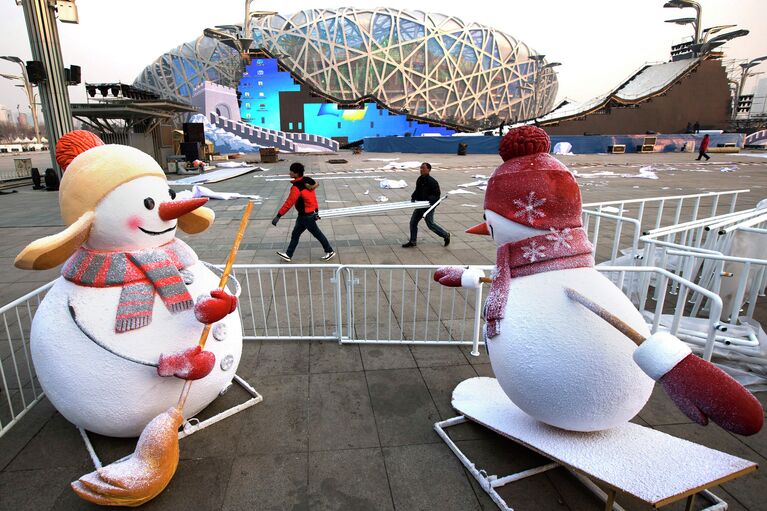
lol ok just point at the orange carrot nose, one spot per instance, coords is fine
(479, 229)
(177, 208)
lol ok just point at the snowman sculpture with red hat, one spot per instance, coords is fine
(556, 360)
(116, 335)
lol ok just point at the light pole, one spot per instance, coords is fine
(745, 68)
(682, 4)
(686, 21)
(27, 88)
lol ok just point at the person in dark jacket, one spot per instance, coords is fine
(303, 197)
(426, 188)
(704, 147)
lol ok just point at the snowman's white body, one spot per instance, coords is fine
(112, 396)
(559, 362)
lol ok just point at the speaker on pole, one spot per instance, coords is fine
(35, 71)
(74, 75)
(194, 132)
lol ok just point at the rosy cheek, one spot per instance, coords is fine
(134, 222)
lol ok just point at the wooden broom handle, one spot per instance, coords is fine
(603, 313)
(221, 283)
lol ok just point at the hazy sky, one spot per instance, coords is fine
(598, 42)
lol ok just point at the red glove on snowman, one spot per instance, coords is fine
(190, 364)
(214, 308)
(700, 389)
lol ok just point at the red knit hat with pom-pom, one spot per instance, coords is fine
(73, 144)
(531, 187)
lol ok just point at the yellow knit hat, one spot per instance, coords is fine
(96, 172)
(92, 170)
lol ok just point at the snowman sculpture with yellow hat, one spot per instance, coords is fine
(116, 335)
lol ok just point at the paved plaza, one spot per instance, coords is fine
(350, 427)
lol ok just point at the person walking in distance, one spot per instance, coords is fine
(305, 200)
(704, 147)
(426, 188)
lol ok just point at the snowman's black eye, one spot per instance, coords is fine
(172, 193)
(149, 203)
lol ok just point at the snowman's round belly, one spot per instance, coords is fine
(102, 390)
(562, 364)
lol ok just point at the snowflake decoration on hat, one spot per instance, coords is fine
(560, 238)
(529, 209)
(533, 252)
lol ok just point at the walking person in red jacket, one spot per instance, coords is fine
(704, 147)
(303, 197)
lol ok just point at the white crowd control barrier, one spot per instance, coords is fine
(356, 304)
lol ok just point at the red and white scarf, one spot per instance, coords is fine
(557, 250)
(141, 274)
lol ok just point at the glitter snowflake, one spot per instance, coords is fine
(560, 238)
(533, 252)
(529, 209)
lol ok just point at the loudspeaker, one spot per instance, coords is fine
(462, 148)
(51, 180)
(37, 180)
(190, 150)
(194, 132)
(74, 75)
(35, 71)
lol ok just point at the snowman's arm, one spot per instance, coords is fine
(460, 276)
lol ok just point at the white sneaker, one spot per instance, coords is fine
(328, 256)
(284, 256)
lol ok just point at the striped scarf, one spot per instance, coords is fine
(140, 274)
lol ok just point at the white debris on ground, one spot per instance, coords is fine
(460, 190)
(473, 183)
(382, 198)
(563, 148)
(389, 184)
(232, 164)
(381, 159)
(198, 191)
(402, 165)
(734, 168)
(469, 205)
(367, 192)
(644, 173)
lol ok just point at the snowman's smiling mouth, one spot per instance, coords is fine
(156, 233)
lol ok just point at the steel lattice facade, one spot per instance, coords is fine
(427, 64)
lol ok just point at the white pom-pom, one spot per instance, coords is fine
(470, 277)
(659, 353)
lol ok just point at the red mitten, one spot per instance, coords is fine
(190, 364)
(209, 310)
(700, 389)
(459, 276)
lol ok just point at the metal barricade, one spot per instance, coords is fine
(355, 304)
(20, 389)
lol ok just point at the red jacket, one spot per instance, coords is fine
(704, 144)
(305, 200)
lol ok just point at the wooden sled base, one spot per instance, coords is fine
(652, 466)
(191, 425)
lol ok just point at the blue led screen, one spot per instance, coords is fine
(260, 89)
(330, 121)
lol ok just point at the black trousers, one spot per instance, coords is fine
(430, 223)
(307, 223)
(702, 154)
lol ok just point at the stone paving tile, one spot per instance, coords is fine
(404, 409)
(349, 479)
(328, 357)
(32, 490)
(377, 356)
(269, 481)
(428, 477)
(437, 356)
(280, 422)
(280, 357)
(340, 413)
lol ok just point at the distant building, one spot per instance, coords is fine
(23, 120)
(6, 116)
